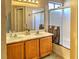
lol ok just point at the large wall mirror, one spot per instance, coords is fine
(21, 18)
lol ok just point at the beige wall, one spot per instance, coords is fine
(42, 3)
(28, 17)
(3, 29)
(8, 6)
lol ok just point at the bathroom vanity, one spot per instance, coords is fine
(32, 46)
(23, 45)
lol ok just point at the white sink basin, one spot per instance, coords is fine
(17, 37)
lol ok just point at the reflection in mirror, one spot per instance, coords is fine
(8, 24)
(38, 19)
(23, 18)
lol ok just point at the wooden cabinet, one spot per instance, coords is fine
(32, 49)
(15, 51)
(45, 46)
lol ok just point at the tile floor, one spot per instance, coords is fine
(53, 56)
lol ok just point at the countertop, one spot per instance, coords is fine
(22, 37)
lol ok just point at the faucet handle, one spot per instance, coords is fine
(28, 30)
(37, 32)
(10, 32)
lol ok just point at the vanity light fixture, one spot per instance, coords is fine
(32, 1)
(29, 1)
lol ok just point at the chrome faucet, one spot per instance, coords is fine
(10, 33)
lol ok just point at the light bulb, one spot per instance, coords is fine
(25, 0)
(33, 1)
(36, 1)
(29, 1)
(19, 0)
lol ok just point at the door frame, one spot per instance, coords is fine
(74, 30)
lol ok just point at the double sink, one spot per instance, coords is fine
(20, 35)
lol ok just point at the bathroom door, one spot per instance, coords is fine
(19, 19)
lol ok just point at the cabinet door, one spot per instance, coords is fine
(32, 49)
(45, 46)
(15, 51)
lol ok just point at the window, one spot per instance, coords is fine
(57, 5)
(51, 6)
(54, 5)
(38, 19)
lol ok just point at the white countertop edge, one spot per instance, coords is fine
(26, 39)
